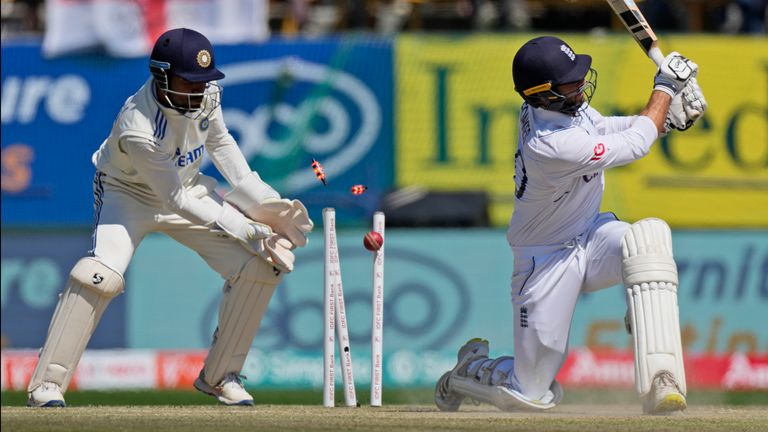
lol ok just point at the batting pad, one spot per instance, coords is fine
(244, 304)
(650, 277)
(91, 287)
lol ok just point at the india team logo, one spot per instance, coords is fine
(204, 124)
(204, 58)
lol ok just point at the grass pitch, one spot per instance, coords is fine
(403, 411)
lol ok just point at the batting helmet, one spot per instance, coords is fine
(546, 62)
(186, 54)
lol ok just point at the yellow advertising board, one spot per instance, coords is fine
(457, 125)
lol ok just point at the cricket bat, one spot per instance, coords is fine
(635, 22)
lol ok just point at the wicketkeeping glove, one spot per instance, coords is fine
(260, 202)
(257, 238)
(288, 218)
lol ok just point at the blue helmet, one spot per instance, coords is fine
(189, 55)
(546, 62)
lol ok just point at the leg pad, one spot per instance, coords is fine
(650, 278)
(91, 287)
(245, 301)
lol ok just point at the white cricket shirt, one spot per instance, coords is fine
(559, 168)
(154, 153)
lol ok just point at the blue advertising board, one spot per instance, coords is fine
(35, 269)
(286, 102)
(442, 287)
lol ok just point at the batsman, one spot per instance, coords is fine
(147, 180)
(563, 245)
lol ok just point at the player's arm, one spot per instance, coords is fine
(615, 124)
(254, 197)
(656, 109)
(158, 171)
(224, 152)
(573, 152)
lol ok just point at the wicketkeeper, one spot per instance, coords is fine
(564, 246)
(148, 180)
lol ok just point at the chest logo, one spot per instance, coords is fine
(598, 152)
(204, 124)
(188, 158)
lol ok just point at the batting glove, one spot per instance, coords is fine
(674, 73)
(686, 108)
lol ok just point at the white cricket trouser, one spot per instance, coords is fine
(546, 284)
(122, 221)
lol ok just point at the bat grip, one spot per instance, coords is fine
(656, 55)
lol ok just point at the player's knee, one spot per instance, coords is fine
(93, 274)
(256, 270)
(647, 253)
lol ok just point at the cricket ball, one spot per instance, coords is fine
(373, 241)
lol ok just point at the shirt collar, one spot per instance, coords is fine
(555, 120)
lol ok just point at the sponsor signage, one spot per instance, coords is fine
(457, 125)
(285, 102)
(442, 287)
(152, 369)
(35, 269)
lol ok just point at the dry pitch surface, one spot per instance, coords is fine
(422, 418)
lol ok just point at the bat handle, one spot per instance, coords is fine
(655, 54)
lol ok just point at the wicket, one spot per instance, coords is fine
(335, 317)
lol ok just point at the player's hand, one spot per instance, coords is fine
(278, 252)
(674, 73)
(288, 218)
(686, 108)
(694, 103)
(257, 238)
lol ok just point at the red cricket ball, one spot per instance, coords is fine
(373, 241)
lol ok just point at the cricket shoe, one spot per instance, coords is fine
(445, 398)
(229, 391)
(665, 396)
(46, 395)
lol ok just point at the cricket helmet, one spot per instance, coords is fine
(542, 64)
(187, 54)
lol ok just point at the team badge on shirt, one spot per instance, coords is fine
(204, 124)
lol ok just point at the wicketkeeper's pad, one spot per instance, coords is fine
(92, 285)
(242, 308)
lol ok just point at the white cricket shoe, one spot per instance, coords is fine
(229, 391)
(665, 396)
(46, 395)
(447, 399)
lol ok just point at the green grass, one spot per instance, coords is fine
(421, 418)
(403, 410)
